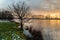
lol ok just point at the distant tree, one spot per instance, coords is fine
(6, 15)
(21, 10)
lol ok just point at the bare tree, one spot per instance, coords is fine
(22, 10)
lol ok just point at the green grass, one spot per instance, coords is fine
(9, 28)
(8, 25)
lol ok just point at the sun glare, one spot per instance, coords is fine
(52, 15)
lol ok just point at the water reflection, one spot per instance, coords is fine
(46, 23)
(50, 28)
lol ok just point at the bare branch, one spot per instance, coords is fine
(22, 10)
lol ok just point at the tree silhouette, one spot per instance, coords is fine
(21, 10)
(6, 15)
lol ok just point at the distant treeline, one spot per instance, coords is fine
(6, 15)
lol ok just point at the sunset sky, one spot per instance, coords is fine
(37, 6)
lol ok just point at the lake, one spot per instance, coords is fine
(50, 28)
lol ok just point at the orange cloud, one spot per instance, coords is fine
(45, 12)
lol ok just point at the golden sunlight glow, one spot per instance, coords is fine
(49, 14)
(52, 15)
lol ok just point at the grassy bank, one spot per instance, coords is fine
(8, 25)
(9, 31)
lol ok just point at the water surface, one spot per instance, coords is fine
(50, 28)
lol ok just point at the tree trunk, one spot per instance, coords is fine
(21, 24)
